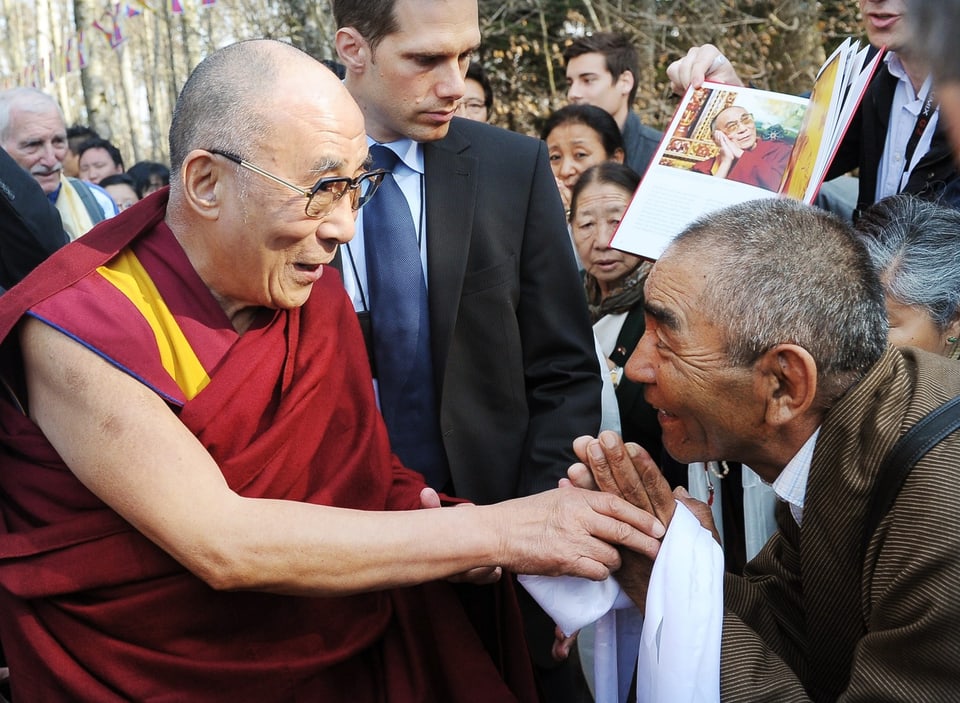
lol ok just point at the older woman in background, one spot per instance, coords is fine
(613, 282)
(915, 246)
(578, 137)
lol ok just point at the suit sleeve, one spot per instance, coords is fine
(30, 227)
(560, 363)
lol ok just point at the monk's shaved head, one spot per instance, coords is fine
(227, 100)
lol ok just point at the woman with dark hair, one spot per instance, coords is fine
(578, 137)
(149, 176)
(915, 246)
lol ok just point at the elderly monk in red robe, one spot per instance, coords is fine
(743, 156)
(199, 499)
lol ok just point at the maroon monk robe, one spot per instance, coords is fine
(92, 610)
(762, 166)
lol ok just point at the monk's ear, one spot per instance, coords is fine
(201, 175)
(353, 49)
(788, 374)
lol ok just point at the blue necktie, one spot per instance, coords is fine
(400, 328)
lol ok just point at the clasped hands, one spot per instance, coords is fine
(625, 469)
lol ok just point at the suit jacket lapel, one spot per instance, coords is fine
(452, 182)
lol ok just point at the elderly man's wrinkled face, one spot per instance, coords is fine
(270, 253)
(707, 409)
(738, 125)
(38, 142)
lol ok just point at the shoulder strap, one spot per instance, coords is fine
(908, 450)
(88, 199)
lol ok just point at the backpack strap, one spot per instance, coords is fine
(909, 449)
(88, 199)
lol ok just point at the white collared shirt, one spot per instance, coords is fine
(409, 176)
(791, 484)
(906, 108)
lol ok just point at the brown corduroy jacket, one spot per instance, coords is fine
(813, 619)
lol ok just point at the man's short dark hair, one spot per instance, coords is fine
(78, 134)
(617, 50)
(117, 179)
(784, 272)
(475, 72)
(373, 19)
(143, 172)
(106, 145)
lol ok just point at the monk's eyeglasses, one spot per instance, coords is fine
(733, 126)
(322, 198)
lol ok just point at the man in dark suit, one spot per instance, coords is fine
(766, 343)
(512, 357)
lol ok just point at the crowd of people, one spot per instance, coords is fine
(281, 421)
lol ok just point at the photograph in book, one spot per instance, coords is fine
(729, 144)
(725, 145)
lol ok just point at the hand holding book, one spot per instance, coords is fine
(730, 144)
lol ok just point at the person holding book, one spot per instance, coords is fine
(896, 139)
(743, 156)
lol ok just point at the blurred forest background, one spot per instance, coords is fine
(119, 66)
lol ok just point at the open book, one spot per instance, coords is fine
(728, 144)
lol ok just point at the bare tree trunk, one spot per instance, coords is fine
(92, 77)
(157, 75)
(171, 56)
(188, 36)
(42, 41)
(128, 108)
(547, 59)
(797, 50)
(15, 40)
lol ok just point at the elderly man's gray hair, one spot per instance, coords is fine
(784, 272)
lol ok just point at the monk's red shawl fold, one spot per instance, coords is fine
(90, 609)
